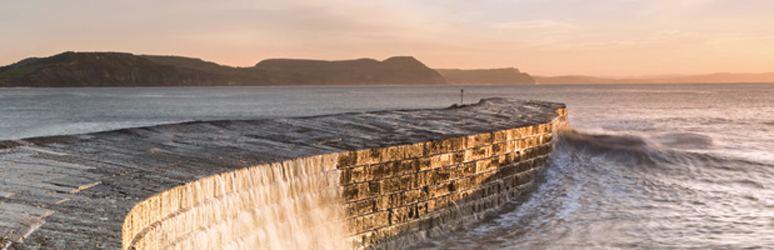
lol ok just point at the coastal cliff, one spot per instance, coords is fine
(486, 76)
(394, 70)
(112, 69)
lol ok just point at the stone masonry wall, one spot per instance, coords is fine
(219, 210)
(376, 179)
(397, 195)
(391, 195)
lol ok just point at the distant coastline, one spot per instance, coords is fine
(660, 79)
(486, 76)
(115, 69)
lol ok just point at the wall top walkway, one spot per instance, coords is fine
(74, 191)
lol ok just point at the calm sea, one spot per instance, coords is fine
(649, 166)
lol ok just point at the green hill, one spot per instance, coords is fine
(112, 69)
(486, 76)
(394, 70)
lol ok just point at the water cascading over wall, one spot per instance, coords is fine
(382, 197)
(356, 180)
(291, 204)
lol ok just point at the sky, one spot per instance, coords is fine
(541, 37)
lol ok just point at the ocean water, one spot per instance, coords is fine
(646, 167)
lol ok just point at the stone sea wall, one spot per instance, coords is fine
(391, 196)
(356, 180)
(284, 205)
(397, 195)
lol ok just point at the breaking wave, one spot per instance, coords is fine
(602, 191)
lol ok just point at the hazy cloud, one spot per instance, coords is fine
(534, 24)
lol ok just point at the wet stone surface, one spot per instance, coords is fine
(73, 192)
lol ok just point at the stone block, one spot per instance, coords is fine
(406, 213)
(536, 141)
(361, 207)
(512, 157)
(479, 140)
(345, 177)
(361, 240)
(533, 130)
(542, 139)
(467, 169)
(511, 146)
(395, 153)
(370, 222)
(347, 159)
(415, 150)
(478, 153)
(458, 157)
(548, 128)
(499, 136)
(399, 229)
(361, 190)
(382, 203)
(455, 171)
(440, 203)
(440, 189)
(484, 177)
(368, 156)
(441, 160)
(463, 184)
(499, 148)
(410, 166)
(404, 182)
(433, 147)
(521, 144)
(503, 160)
(527, 154)
(487, 165)
(540, 161)
(380, 170)
(453, 144)
(513, 134)
(524, 177)
(406, 197)
(440, 174)
(510, 181)
(424, 178)
(357, 175)
(424, 163)
(374, 189)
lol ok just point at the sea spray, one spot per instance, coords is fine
(622, 191)
(293, 204)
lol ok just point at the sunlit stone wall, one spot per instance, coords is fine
(397, 195)
(381, 198)
(292, 204)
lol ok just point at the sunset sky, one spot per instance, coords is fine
(542, 37)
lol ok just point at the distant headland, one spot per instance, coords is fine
(660, 79)
(489, 76)
(115, 69)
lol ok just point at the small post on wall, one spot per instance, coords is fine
(462, 91)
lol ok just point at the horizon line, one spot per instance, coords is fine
(609, 77)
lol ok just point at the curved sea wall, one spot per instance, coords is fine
(358, 180)
(397, 195)
(291, 204)
(391, 195)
